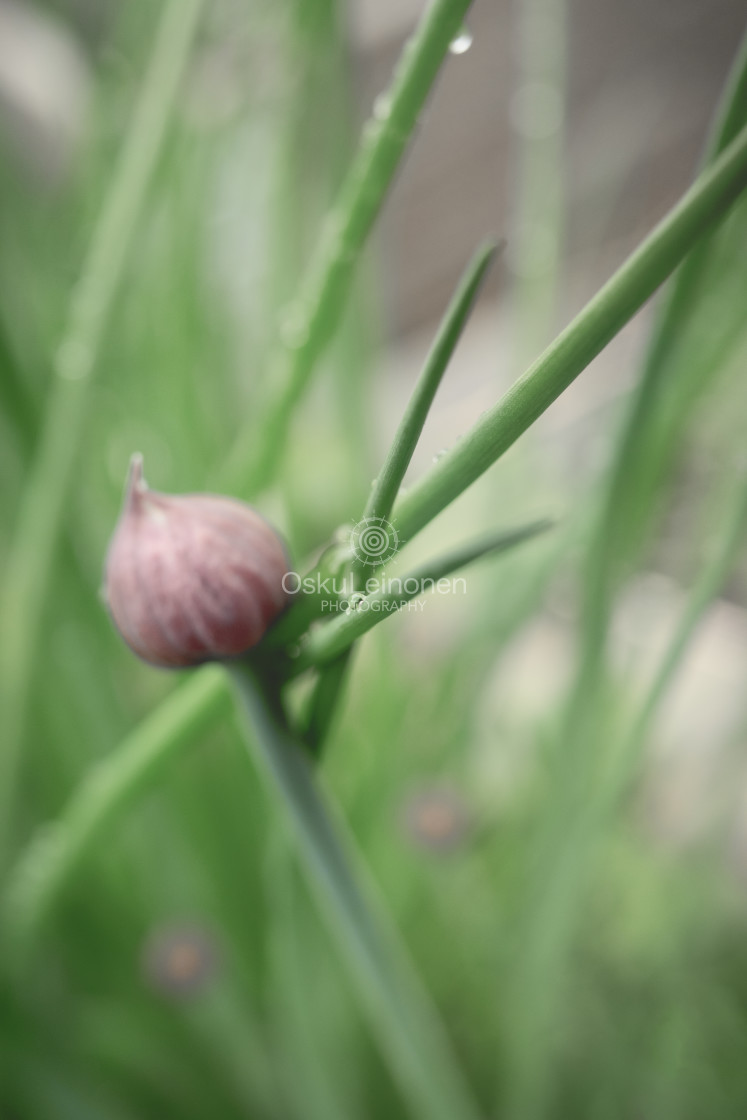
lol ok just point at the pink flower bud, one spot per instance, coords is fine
(192, 577)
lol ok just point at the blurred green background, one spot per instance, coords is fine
(587, 953)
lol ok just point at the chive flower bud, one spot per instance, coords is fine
(192, 577)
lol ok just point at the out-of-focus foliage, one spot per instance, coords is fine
(186, 973)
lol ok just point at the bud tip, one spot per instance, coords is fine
(136, 484)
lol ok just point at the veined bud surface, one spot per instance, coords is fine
(192, 577)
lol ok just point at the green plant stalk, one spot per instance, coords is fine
(328, 688)
(52, 859)
(668, 244)
(615, 539)
(390, 477)
(325, 701)
(699, 210)
(732, 108)
(310, 320)
(617, 536)
(26, 579)
(569, 857)
(701, 207)
(16, 400)
(404, 1022)
(329, 641)
(712, 578)
(105, 794)
(538, 190)
(385, 489)
(313, 1093)
(317, 54)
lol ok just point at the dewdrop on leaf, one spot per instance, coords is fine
(192, 577)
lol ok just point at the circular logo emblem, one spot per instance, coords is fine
(374, 540)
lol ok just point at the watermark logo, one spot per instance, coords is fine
(374, 541)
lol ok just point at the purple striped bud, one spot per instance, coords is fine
(192, 577)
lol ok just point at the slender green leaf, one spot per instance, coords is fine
(26, 579)
(386, 487)
(325, 700)
(700, 209)
(400, 1012)
(311, 319)
(703, 206)
(584, 800)
(712, 578)
(615, 537)
(327, 690)
(105, 794)
(330, 640)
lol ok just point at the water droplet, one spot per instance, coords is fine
(440, 454)
(355, 601)
(342, 533)
(462, 42)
